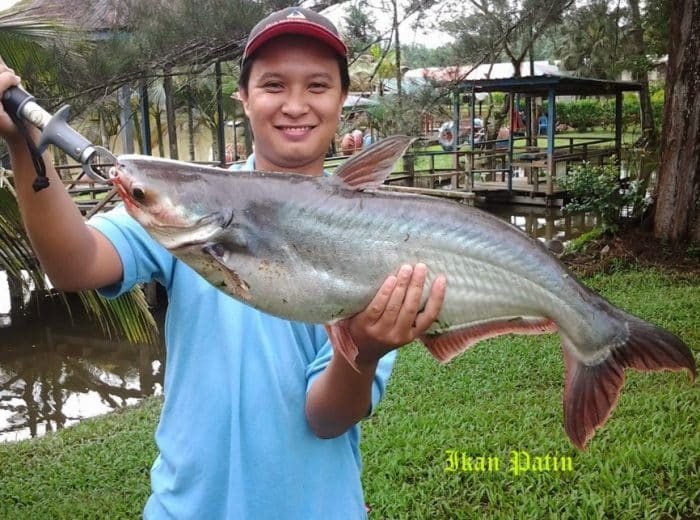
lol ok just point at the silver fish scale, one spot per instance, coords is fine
(482, 283)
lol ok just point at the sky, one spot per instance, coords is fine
(380, 11)
(382, 14)
(6, 4)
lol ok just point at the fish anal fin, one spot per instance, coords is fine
(342, 342)
(591, 389)
(370, 168)
(445, 347)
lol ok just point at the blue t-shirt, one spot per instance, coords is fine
(233, 437)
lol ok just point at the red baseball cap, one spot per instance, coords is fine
(294, 20)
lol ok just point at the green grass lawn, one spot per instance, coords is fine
(503, 395)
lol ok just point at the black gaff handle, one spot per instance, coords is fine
(14, 101)
(55, 128)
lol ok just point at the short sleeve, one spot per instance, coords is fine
(143, 260)
(323, 357)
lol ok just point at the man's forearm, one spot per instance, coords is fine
(339, 398)
(64, 245)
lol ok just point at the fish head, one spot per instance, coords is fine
(167, 198)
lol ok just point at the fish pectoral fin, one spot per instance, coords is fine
(342, 342)
(444, 347)
(370, 168)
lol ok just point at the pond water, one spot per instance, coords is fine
(54, 372)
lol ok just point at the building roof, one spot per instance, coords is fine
(540, 85)
(499, 77)
(483, 71)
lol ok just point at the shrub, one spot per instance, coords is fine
(589, 113)
(657, 107)
(597, 189)
(581, 114)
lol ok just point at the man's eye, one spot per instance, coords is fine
(318, 87)
(273, 86)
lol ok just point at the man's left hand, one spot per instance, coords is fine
(394, 318)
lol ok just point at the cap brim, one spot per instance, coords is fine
(302, 28)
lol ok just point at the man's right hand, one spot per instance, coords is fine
(8, 78)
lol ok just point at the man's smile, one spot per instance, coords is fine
(295, 129)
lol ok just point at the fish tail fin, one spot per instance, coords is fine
(342, 342)
(591, 390)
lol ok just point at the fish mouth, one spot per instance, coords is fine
(195, 234)
(122, 184)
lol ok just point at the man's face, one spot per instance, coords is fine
(294, 100)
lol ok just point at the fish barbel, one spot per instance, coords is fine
(317, 249)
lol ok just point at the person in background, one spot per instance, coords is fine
(347, 144)
(259, 419)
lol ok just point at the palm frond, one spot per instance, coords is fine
(127, 316)
(25, 38)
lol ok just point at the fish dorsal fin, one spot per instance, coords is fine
(370, 168)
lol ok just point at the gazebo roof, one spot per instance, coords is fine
(541, 85)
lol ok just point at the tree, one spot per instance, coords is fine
(677, 215)
(512, 26)
(359, 31)
(640, 68)
(656, 23)
(20, 39)
(371, 70)
(592, 42)
(417, 56)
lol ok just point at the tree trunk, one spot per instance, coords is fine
(170, 113)
(159, 133)
(641, 73)
(190, 126)
(677, 216)
(397, 52)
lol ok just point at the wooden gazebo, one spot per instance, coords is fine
(547, 87)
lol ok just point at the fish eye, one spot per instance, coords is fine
(138, 194)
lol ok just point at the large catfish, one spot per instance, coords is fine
(316, 249)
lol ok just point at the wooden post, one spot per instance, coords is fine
(551, 124)
(455, 127)
(170, 111)
(509, 172)
(618, 130)
(145, 120)
(127, 122)
(410, 168)
(220, 115)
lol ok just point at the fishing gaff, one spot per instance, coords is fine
(21, 106)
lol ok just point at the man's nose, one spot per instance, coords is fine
(296, 104)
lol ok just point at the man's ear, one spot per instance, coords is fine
(243, 96)
(343, 97)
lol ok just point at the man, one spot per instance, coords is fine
(259, 418)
